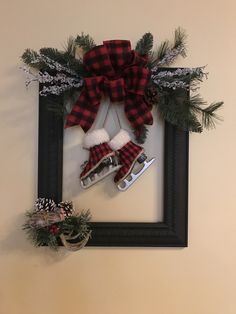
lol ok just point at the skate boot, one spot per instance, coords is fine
(102, 159)
(132, 158)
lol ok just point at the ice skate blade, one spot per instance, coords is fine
(125, 184)
(88, 182)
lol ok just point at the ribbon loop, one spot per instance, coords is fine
(98, 62)
(120, 53)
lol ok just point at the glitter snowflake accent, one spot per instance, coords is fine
(53, 65)
(52, 84)
(174, 79)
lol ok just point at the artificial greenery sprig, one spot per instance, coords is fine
(167, 52)
(188, 113)
(145, 44)
(85, 42)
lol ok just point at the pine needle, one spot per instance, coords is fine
(29, 57)
(145, 44)
(180, 40)
(174, 108)
(162, 49)
(208, 114)
(54, 54)
(85, 42)
(166, 53)
(70, 46)
(143, 133)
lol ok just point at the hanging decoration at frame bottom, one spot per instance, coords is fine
(54, 224)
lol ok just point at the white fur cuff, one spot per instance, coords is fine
(119, 140)
(95, 137)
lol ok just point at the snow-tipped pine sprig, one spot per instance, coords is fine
(166, 53)
(52, 84)
(186, 78)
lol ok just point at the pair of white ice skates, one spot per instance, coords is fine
(118, 155)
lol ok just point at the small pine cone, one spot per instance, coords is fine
(44, 204)
(151, 95)
(67, 208)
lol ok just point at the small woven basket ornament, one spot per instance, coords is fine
(74, 246)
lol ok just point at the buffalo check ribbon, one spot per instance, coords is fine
(120, 73)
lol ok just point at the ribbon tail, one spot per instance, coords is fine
(138, 112)
(83, 112)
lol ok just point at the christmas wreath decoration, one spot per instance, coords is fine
(140, 78)
(53, 224)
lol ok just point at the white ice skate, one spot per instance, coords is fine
(141, 165)
(102, 159)
(132, 158)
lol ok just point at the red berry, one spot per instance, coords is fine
(54, 229)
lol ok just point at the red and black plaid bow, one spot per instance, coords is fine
(120, 73)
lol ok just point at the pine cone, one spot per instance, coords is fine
(67, 207)
(44, 204)
(151, 95)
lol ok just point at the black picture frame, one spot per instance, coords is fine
(172, 232)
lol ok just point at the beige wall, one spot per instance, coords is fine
(200, 279)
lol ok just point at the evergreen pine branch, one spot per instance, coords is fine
(160, 53)
(188, 114)
(207, 113)
(145, 44)
(30, 58)
(196, 78)
(209, 116)
(41, 237)
(70, 46)
(35, 60)
(76, 225)
(180, 41)
(54, 54)
(166, 53)
(174, 108)
(69, 55)
(52, 242)
(162, 49)
(77, 66)
(143, 133)
(66, 58)
(85, 42)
